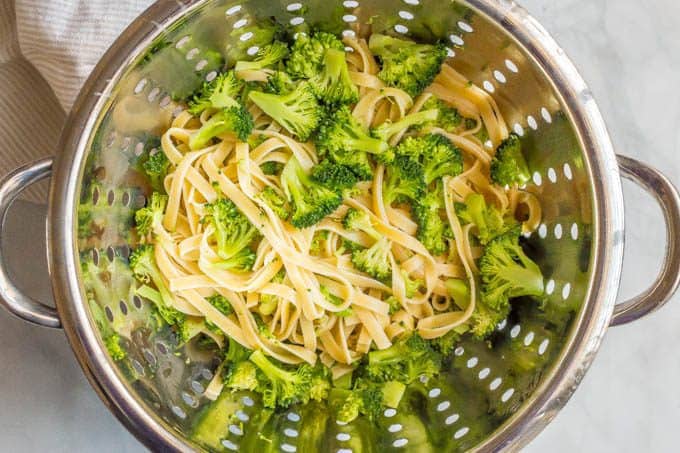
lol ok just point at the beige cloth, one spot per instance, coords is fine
(47, 50)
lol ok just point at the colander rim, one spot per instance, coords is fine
(600, 163)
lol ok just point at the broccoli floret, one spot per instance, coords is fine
(406, 64)
(276, 202)
(446, 343)
(346, 142)
(311, 201)
(412, 286)
(233, 234)
(404, 361)
(488, 220)
(112, 340)
(365, 398)
(268, 302)
(279, 83)
(436, 153)
(266, 57)
(281, 387)
(156, 168)
(404, 181)
(317, 245)
(298, 111)
(150, 217)
(114, 348)
(307, 53)
(143, 265)
(221, 303)
(242, 376)
(236, 353)
(389, 129)
(394, 304)
(459, 290)
(428, 212)
(333, 85)
(221, 93)
(375, 260)
(261, 34)
(485, 319)
(508, 167)
(271, 168)
(358, 220)
(236, 120)
(448, 119)
(334, 176)
(506, 272)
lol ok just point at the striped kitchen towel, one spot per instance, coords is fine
(47, 50)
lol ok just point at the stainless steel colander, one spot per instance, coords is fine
(493, 398)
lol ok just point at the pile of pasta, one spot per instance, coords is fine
(306, 326)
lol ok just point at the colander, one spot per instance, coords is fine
(493, 396)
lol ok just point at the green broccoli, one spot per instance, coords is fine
(279, 83)
(366, 398)
(389, 129)
(221, 303)
(428, 211)
(508, 167)
(394, 304)
(448, 119)
(276, 202)
(412, 286)
(221, 93)
(317, 245)
(261, 33)
(375, 260)
(311, 201)
(405, 361)
(271, 168)
(112, 340)
(150, 217)
(346, 142)
(405, 64)
(459, 290)
(156, 168)
(242, 376)
(307, 53)
(266, 57)
(268, 302)
(145, 269)
(281, 387)
(436, 153)
(334, 176)
(233, 234)
(333, 84)
(506, 272)
(298, 111)
(404, 181)
(484, 320)
(488, 220)
(236, 120)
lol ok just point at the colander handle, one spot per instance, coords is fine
(655, 183)
(11, 297)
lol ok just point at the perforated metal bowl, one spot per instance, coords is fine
(491, 398)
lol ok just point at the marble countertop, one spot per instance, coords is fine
(629, 401)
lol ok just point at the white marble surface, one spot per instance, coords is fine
(629, 52)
